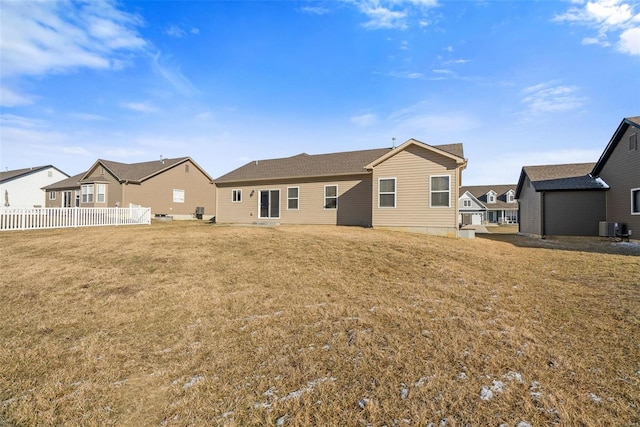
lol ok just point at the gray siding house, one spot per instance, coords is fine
(561, 200)
(619, 166)
(488, 204)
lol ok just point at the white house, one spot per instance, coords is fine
(22, 188)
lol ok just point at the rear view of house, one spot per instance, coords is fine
(22, 188)
(413, 187)
(172, 187)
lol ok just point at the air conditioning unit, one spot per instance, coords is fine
(608, 229)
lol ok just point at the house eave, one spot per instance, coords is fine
(292, 178)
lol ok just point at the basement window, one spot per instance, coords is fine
(635, 201)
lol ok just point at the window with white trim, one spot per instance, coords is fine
(178, 196)
(293, 198)
(52, 195)
(331, 197)
(511, 197)
(236, 196)
(440, 191)
(491, 197)
(87, 193)
(635, 201)
(387, 192)
(101, 193)
(466, 203)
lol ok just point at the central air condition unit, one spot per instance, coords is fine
(608, 229)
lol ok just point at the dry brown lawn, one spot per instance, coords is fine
(188, 323)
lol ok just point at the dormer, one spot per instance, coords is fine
(491, 196)
(511, 196)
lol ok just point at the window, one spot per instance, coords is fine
(387, 193)
(101, 191)
(293, 194)
(52, 195)
(466, 203)
(87, 193)
(269, 204)
(633, 142)
(236, 196)
(331, 197)
(178, 196)
(50, 174)
(510, 197)
(491, 197)
(440, 191)
(186, 167)
(635, 201)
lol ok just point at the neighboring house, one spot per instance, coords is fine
(22, 188)
(414, 186)
(492, 204)
(171, 187)
(561, 200)
(619, 167)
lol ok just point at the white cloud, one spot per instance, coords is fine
(141, 107)
(364, 120)
(383, 18)
(87, 117)
(423, 119)
(38, 38)
(394, 14)
(11, 98)
(314, 10)
(630, 41)
(607, 17)
(551, 98)
(179, 32)
(172, 74)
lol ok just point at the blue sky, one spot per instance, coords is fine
(226, 82)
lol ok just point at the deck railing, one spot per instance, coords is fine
(41, 218)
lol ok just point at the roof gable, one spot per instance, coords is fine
(470, 196)
(67, 183)
(613, 143)
(452, 151)
(139, 172)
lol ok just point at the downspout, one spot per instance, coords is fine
(542, 218)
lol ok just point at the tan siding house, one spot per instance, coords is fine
(344, 189)
(170, 187)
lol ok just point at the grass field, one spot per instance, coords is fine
(188, 323)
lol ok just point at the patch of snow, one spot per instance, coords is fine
(404, 392)
(462, 376)
(363, 403)
(326, 347)
(595, 397)
(422, 381)
(280, 421)
(523, 424)
(196, 379)
(262, 405)
(498, 386)
(513, 376)
(227, 414)
(310, 386)
(486, 393)
(269, 393)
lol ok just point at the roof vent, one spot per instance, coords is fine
(161, 159)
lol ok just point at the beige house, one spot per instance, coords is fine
(412, 187)
(170, 187)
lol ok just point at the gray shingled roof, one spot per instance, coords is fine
(68, 183)
(137, 172)
(306, 165)
(13, 174)
(575, 176)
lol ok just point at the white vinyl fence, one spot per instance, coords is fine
(41, 218)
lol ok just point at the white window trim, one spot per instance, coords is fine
(279, 203)
(511, 196)
(293, 198)
(395, 193)
(324, 200)
(52, 195)
(85, 194)
(466, 203)
(178, 199)
(237, 191)
(439, 191)
(492, 196)
(98, 193)
(631, 194)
